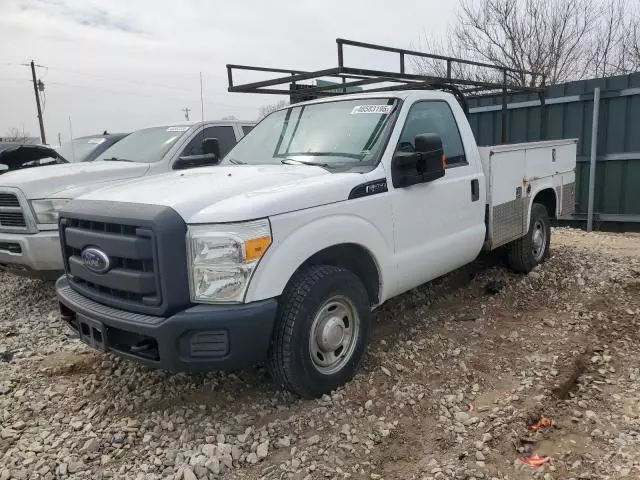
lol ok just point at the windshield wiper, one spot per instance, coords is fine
(236, 162)
(116, 159)
(291, 161)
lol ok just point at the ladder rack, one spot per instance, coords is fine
(288, 81)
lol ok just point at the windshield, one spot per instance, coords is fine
(79, 149)
(342, 133)
(144, 146)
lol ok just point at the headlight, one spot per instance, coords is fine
(47, 209)
(222, 259)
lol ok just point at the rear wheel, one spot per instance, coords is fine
(321, 332)
(533, 249)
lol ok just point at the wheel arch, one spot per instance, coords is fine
(355, 258)
(546, 196)
(346, 241)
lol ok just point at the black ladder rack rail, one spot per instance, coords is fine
(378, 80)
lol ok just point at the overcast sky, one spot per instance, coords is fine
(121, 65)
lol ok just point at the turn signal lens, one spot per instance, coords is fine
(254, 248)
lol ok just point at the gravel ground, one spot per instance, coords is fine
(453, 380)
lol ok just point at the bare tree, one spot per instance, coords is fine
(631, 44)
(14, 134)
(614, 43)
(561, 39)
(267, 109)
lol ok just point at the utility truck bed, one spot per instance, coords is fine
(513, 172)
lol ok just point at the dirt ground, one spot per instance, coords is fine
(456, 374)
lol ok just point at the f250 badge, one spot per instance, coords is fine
(95, 260)
(369, 188)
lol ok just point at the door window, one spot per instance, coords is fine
(225, 135)
(433, 117)
(246, 129)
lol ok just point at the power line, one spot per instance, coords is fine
(120, 92)
(121, 80)
(115, 79)
(10, 79)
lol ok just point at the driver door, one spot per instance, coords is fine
(439, 225)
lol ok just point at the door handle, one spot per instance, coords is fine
(475, 190)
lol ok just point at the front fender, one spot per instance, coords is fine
(293, 245)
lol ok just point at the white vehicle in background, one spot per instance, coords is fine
(30, 198)
(88, 148)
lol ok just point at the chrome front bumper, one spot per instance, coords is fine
(36, 255)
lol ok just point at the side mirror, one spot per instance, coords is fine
(425, 164)
(193, 161)
(211, 146)
(210, 156)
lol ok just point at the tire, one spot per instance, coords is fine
(333, 303)
(533, 249)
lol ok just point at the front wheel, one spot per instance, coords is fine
(531, 250)
(321, 331)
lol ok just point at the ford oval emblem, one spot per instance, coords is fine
(95, 260)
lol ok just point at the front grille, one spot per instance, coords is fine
(12, 219)
(145, 246)
(11, 215)
(8, 200)
(132, 278)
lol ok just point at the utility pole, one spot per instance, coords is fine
(35, 90)
(186, 111)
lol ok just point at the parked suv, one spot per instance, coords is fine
(30, 199)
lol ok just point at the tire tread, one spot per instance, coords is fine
(291, 302)
(519, 251)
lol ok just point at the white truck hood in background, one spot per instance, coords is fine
(235, 193)
(71, 179)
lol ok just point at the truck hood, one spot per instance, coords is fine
(71, 179)
(235, 193)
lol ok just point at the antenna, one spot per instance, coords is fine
(201, 107)
(73, 150)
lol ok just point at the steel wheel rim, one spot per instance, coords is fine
(539, 240)
(334, 335)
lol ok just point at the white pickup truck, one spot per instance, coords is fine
(30, 198)
(327, 209)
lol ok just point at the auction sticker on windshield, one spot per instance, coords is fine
(177, 129)
(379, 109)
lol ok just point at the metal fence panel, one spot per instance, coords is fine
(568, 114)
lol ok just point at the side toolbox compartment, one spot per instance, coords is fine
(514, 173)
